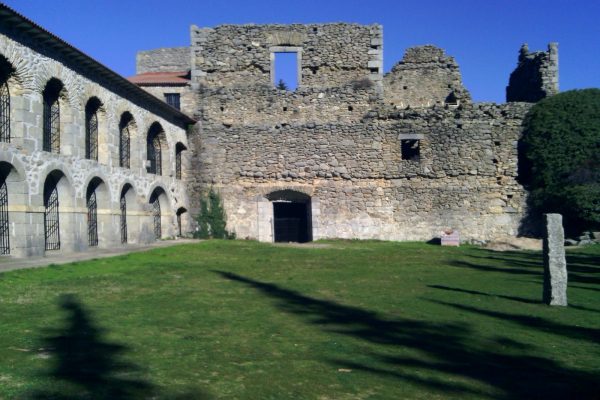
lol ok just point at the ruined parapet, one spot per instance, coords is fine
(536, 75)
(426, 76)
(339, 70)
(329, 54)
(173, 59)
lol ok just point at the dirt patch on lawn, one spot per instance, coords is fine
(514, 243)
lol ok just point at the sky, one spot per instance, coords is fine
(484, 36)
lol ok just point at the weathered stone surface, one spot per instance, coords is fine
(536, 75)
(338, 137)
(172, 59)
(555, 264)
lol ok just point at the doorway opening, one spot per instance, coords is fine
(292, 217)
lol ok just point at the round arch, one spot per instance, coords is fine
(60, 218)
(157, 150)
(160, 213)
(100, 227)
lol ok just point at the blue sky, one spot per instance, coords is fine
(483, 35)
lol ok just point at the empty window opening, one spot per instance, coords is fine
(411, 149)
(350, 108)
(451, 99)
(285, 69)
(172, 99)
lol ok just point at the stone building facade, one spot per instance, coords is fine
(86, 157)
(352, 152)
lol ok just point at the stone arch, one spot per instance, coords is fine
(290, 215)
(157, 150)
(100, 228)
(7, 128)
(130, 214)
(127, 135)
(13, 202)
(160, 213)
(57, 119)
(60, 216)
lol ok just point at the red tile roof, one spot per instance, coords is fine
(178, 78)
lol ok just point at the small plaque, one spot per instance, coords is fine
(450, 237)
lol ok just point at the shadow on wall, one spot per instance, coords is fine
(450, 351)
(86, 366)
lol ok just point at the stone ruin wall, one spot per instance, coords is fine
(536, 75)
(364, 188)
(338, 137)
(166, 59)
(426, 76)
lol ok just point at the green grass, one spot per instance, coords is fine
(356, 320)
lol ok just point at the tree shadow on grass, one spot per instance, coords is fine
(581, 268)
(84, 364)
(506, 297)
(449, 350)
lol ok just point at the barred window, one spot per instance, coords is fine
(125, 140)
(4, 112)
(6, 70)
(154, 153)
(172, 99)
(91, 129)
(178, 150)
(51, 116)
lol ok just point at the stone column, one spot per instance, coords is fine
(555, 264)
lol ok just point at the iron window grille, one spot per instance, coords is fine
(156, 214)
(51, 216)
(154, 155)
(4, 113)
(92, 207)
(123, 204)
(91, 136)
(51, 124)
(4, 226)
(124, 147)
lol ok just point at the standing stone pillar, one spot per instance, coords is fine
(555, 264)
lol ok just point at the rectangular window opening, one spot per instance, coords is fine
(411, 149)
(172, 99)
(286, 70)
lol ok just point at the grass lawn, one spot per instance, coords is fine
(352, 320)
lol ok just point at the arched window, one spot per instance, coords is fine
(179, 148)
(154, 149)
(51, 221)
(5, 71)
(125, 140)
(51, 116)
(91, 128)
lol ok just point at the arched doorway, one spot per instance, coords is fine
(292, 219)
(161, 216)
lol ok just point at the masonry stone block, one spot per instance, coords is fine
(555, 264)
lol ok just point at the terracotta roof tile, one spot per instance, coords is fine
(161, 78)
